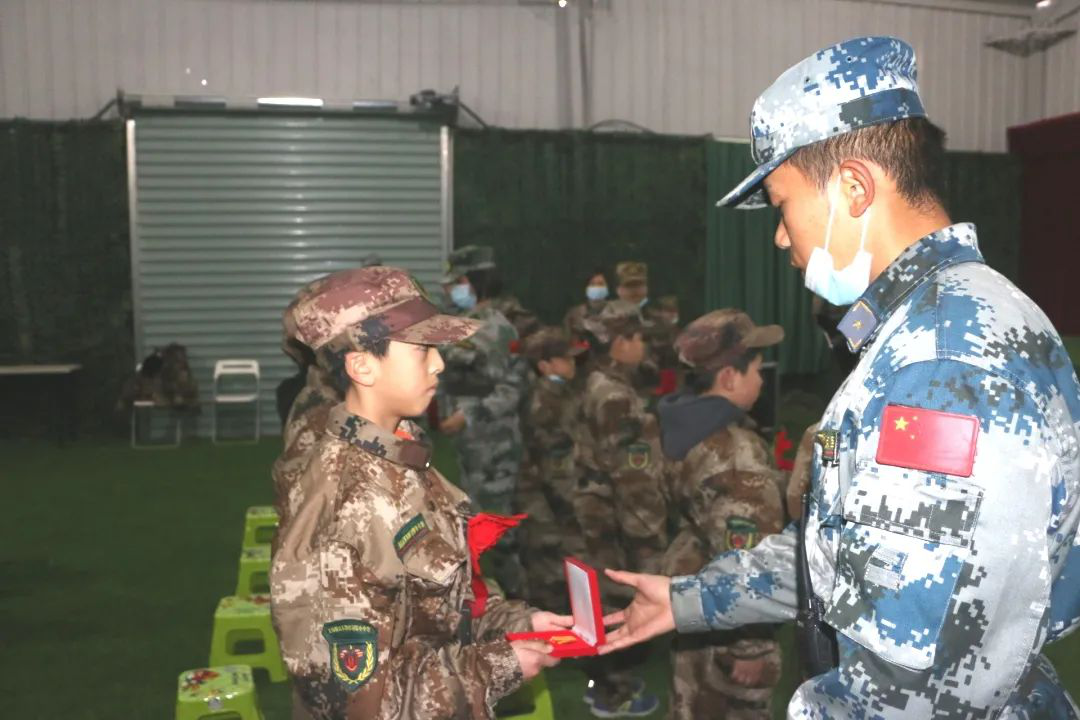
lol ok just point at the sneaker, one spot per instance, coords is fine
(590, 691)
(637, 706)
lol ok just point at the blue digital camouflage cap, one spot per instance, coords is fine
(859, 82)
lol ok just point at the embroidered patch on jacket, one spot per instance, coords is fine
(410, 534)
(928, 440)
(638, 456)
(741, 534)
(354, 652)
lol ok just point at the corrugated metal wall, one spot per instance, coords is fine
(677, 66)
(234, 212)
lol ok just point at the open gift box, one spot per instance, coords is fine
(588, 630)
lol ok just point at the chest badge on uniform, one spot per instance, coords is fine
(410, 533)
(928, 440)
(741, 534)
(354, 652)
(638, 456)
(828, 440)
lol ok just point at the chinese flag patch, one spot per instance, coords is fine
(928, 440)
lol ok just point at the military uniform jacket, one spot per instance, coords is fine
(550, 430)
(304, 427)
(726, 495)
(369, 584)
(622, 450)
(943, 583)
(485, 359)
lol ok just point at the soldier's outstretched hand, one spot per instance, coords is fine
(648, 615)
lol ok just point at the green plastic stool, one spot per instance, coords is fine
(540, 695)
(254, 575)
(259, 525)
(218, 693)
(246, 620)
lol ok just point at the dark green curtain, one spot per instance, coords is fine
(554, 205)
(745, 270)
(65, 273)
(984, 188)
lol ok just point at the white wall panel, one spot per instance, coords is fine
(66, 58)
(1063, 77)
(678, 66)
(695, 66)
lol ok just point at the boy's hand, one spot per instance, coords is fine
(550, 622)
(748, 672)
(646, 617)
(453, 424)
(533, 656)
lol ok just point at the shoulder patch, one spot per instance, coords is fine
(354, 651)
(741, 534)
(410, 534)
(638, 456)
(928, 440)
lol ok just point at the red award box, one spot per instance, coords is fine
(588, 630)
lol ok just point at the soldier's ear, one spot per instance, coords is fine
(857, 186)
(362, 368)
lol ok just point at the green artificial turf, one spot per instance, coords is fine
(112, 561)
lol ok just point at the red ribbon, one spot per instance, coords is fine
(484, 531)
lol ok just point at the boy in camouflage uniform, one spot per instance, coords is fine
(371, 579)
(596, 294)
(550, 474)
(657, 371)
(306, 420)
(727, 495)
(620, 503)
(481, 398)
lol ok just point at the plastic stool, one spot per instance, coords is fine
(259, 525)
(217, 692)
(537, 689)
(246, 620)
(254, 575)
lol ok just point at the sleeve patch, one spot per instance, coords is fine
(354, 652)
(410, 533)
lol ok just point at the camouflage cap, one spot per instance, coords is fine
(550, 342)
(668, 303)
(466, 259)
(631, 272)
(859, 82)
(617, 317)
(374, 303)
(290, 343)
(721, 337)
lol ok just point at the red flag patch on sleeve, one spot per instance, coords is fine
(928, 440)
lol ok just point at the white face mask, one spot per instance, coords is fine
(839, 287)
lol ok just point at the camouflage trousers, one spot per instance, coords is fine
(548, 536)
(615, 676)
(701, 683)
(701, 663)
(489, 473)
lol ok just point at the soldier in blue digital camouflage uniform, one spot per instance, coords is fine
(941, 535)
